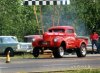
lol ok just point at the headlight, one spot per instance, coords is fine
(33, 40)
(55, 40)
(18, 46)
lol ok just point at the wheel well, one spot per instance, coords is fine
(83, 43)
(8, 49)
(63, 44)
(11, 51)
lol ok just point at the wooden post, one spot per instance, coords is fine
(41, 19)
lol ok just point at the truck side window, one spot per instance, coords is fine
(70, 31)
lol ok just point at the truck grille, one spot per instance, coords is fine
(44, 43)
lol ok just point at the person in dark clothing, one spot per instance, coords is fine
(94, 39)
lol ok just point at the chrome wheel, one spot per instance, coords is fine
(61, 51)
(58, 52)
(81, 52)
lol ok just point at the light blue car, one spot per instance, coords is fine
(8, 43)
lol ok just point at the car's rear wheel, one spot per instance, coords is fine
(9, 50)
(58, 52)
(81, 52)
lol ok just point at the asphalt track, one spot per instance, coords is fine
(69, 62)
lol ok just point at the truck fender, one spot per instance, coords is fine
(82, 42)
(59, 41)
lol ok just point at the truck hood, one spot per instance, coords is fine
(53, 33)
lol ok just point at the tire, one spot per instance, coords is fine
(58, 52)
(81, 52)
(35, 52)
(41, 50)
(11, 52)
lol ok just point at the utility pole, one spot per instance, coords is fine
(53, 20)
(36, 18)
(41, 19)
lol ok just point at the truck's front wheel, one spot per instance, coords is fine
(81, 52)
(35, 52)
(58, 52)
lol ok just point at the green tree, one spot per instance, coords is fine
(89, 12)
(16, 19)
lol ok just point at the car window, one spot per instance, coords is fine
(89, 41)
(0, 40)
(9, 40)
(28, 39)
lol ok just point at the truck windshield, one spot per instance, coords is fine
(56, 30)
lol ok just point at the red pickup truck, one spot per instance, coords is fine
(60, 39)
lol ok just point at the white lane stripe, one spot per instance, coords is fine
(3, 67)
(61, 64)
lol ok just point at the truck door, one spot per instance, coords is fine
(70, 38)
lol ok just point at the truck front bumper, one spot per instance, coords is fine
(45, 44)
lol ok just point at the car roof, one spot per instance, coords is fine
(32, 36)
(7, 36)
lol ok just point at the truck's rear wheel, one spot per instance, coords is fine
(58, 52)
(35, 52)
(81, 52)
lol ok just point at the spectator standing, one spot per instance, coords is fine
(94, 39)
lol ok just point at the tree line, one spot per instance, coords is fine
(20, 20)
